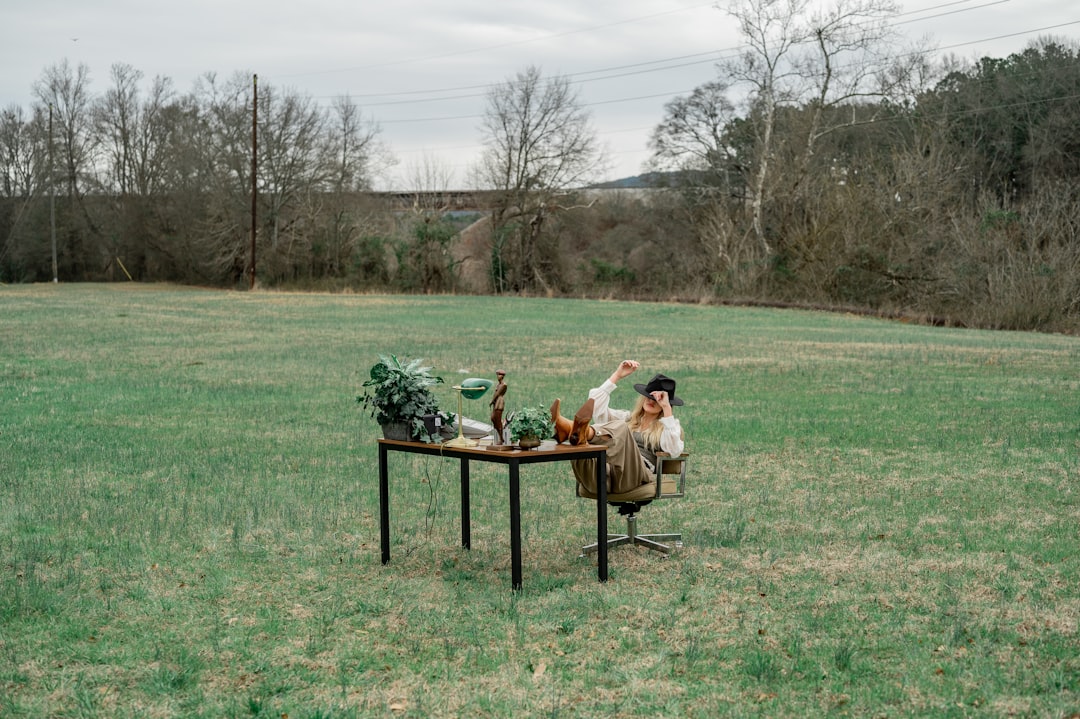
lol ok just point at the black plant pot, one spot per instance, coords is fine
(397, 430)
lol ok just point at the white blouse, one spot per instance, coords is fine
(670, 438)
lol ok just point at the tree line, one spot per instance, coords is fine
(825, 164)
(159, 183)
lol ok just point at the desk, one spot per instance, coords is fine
(513, 459)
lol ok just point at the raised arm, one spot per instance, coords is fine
(602, 395)
(624, 370)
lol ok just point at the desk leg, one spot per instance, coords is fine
(601, 518)
(384, 506)
(515, 527)
(466, 519)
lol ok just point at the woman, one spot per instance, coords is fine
(632, 438)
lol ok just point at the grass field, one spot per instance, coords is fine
(883, 519)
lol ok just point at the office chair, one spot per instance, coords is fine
(669, 483)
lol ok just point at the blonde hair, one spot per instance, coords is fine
(652, 433)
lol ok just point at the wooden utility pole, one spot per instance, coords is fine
(254, 169)
(52, 198)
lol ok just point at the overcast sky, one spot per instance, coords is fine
(419, 68)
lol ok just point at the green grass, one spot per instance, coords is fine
(882, 520)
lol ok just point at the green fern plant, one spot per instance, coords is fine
(399, 390)
(531, 422)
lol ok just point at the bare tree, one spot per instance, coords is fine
(429, 180)
(539, 141)
(133, 131)
(771, 30)
(24, 166)
(797, 57)
(353, 155)
(23, 152)
(67, 92)
(217, 147)
(115, 118)
(695, 138)
(426, 260)
(291, 128)
(355, 152)
(691, 135)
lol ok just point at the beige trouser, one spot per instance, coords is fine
(626, 470)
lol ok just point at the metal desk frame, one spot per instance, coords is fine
(513, 459)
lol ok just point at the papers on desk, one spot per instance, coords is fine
(469, 427)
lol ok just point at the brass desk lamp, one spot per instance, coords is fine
(472, 388)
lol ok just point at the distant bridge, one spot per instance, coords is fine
(445, 201)
(482, 200)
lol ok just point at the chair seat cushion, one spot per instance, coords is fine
(645, 491)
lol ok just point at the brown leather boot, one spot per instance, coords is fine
(580, 431)
(585, 436)
(562, 424)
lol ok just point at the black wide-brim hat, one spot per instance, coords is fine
(660, 383)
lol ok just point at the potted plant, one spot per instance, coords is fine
(399, 396)
(531, 425)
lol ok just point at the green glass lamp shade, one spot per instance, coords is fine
(474, 387)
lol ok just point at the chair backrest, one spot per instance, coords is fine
(671, 475)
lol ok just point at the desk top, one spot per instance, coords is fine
(546, 452)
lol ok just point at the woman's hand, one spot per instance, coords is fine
(625, 369)
(662, 399)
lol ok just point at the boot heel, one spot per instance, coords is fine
(579, 430)
(562, 424)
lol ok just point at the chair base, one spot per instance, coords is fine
(654, 542)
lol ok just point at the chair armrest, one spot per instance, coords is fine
(671, 465)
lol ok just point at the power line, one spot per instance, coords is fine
(485, 87)
(498, 46)
(711, 56)
(584, 104)
(679, 92)
(474, 91)
(944, 14)
(1014, 34)
(967, 111)
(708, 56)
(488, 87)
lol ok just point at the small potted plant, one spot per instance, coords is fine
(530, 426)
(399, 396)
